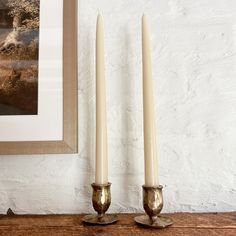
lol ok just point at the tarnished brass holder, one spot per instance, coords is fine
(153, 204)
(101, 201)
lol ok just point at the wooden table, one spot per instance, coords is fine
(71, 225)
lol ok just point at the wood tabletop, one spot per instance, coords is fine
(63, 225)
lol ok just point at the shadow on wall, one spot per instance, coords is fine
(124, 162)
(88, 91)
(127, 89)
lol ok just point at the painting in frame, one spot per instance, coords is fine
(38, 77)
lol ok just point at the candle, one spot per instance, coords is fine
(150, 149)
(101, 129)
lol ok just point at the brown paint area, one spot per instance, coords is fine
(18, 66)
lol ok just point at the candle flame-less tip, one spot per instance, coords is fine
(144, 18)
(99, 19)
(99, 13)
(99, 16)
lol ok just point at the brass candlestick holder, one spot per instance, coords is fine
(153, 204)
(101, 201)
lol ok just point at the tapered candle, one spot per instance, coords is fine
(101, 126)
(150, 148)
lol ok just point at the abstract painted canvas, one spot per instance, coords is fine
(19, 50)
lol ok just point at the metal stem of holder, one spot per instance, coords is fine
(101, 201)
(153, 204)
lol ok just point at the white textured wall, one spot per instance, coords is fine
(194, 60)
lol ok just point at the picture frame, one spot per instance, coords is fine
(69, 142)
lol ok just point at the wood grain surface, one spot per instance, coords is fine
(63, 225)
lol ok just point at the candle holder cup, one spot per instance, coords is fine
(101, 200)
(153, 204)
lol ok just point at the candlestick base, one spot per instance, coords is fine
(101, 202)
(153, 204)
(106, 219)
(160, 221)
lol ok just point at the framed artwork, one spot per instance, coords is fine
(38, 77)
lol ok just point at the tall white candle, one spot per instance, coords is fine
(101, 126)
(150, 148)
